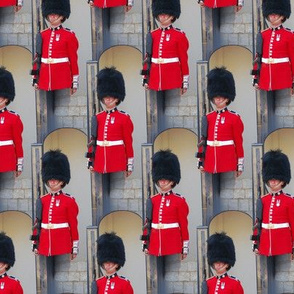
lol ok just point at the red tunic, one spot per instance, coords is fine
(10, 285)
(4, 3)
(113, 126)
(168, 43)
(278, 209)
(277, 43)
(168, 208)
(223, 126)
(224, 284)
(11, 128)
(220, 3)
(109, 3)
(114, 284)
(58, 208)
(58, 43)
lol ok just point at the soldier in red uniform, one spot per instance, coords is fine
(274, 63)
(274, 230)
(221, 257)
(166, 229)
(128, 4)
(221, 148)
(222, 3)
(166, 64)
(11, 127)
(56, 61)
(56, 225)
(111, 257)
(8, 284)
(16, 3)
(111, 146)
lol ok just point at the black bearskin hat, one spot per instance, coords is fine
(7, 89)
(111, 248)
(7, 254)
(281, 7)
(220, 247)
(276, 165)
(60, 7)
(111, 83)
(171, 7)
(55, 165)
(220, 82)
(166, 165)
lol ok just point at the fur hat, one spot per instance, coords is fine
(220, 247)
(111, 83)
(171, 7)
(55, 165)
(166, 165)
(7, 254)
(7, 89)
(276, 165)
(220, 82)
(111, 248)
(281, 7)
(60, 7)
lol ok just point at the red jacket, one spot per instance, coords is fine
(58, 209)
(222, 3)
(4, 3)
(59, 66)
(223, 126)
(277, 68)
(168, 209)
(113, 126)
(168, 43)
(114, 284)
(110, 3)
(278, 209)
(10, 285)
(224, 284)
(11, 151)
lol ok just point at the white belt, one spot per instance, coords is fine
(164, 226)
(165, 60)
(220, 143)
(54, 60)
(54, 226)
(275, 226)
(275, 60)
(5, 143)
(110, 143)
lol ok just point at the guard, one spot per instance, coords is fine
(111, 257)
(17, 4)
(128, 4)
(11, 128)
(56, 60)
(221, 146)
(8, 284)
(221, 257)
(222, 3)
(56, 225)
(274, 230)
(166, 230)
(111, 145)
(274, 62)
(166, 62)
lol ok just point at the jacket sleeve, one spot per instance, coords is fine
(291, 54)
(183, 220)
(183, 46)
(72, 215)
(127, 137)
(238, 129)
(17, 137)
(72, 49)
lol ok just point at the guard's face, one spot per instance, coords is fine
(275, 19)
(3, 102)
(55, 19)
(220, 102)
(165, 19)
(110, 102)
(110, 267)
(220, 267)
(165, 185)
(54, 185)
(2, 267)
(275, 185)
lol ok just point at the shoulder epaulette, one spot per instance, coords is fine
(44, 30)
(179, 30)
(265, 30)
(13, 278)
(69, 30)
(154, 30)
(289, 195)
(100, 112)
(234, 278)
(211, 112)
(210, 278)
(179, 195)
(68, 195)
(289, 30)
(124, 278)
(123, 112)
(13, 112)
(234, 112)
